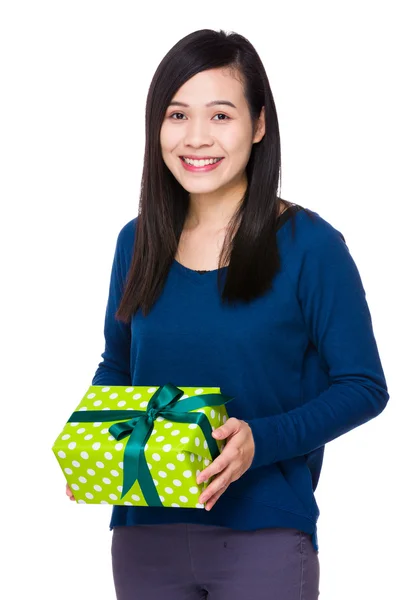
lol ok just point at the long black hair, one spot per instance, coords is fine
(250, 249)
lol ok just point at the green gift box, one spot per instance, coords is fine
(141, 445)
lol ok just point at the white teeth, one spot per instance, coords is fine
(201, 163)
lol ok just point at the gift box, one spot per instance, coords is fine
(141, 445)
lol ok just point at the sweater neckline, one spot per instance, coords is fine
(206, 277)
(195, 276)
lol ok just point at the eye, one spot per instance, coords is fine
(217, 115)
(176, 113)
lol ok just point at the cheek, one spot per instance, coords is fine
(238, 147)
(169, 138)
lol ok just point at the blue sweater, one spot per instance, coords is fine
(301, 363)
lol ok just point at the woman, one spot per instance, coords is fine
(220, 282)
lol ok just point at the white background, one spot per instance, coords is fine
(74, 80)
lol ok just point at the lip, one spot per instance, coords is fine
(204, 169)
(194, 157)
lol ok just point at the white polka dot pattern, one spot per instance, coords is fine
(92, 460)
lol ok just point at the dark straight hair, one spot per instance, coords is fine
(250, 249)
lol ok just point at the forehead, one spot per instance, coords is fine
(210, 85)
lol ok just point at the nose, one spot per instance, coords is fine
(198, 133)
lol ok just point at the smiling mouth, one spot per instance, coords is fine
(212, 160)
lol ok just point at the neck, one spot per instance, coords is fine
(214, 210)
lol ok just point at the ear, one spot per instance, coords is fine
(260, 127)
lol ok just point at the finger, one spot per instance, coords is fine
(217, 484)
(214, 499)
(227, 456)
(231, 426)
(69, 493)
(217, 466)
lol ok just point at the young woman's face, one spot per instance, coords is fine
(195, 129)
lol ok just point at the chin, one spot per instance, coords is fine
(200, 189)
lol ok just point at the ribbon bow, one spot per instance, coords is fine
(163, 403)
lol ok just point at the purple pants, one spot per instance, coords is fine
(181, 561)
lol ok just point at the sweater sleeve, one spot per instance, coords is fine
(114, 369)
(338, 323)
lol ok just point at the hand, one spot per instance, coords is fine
(69, 492)
(234, 460)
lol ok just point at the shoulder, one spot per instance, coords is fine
(125, 238)
(310, 243)
(124, 244)
(310, 230)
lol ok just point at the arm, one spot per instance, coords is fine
(114, 369)
(337, 318)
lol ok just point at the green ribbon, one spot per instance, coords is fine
(163, 403)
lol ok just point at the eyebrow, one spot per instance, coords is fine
(208, 105)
